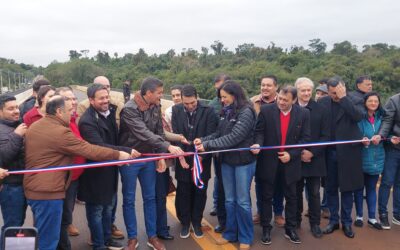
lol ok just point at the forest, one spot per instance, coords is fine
(246, 63)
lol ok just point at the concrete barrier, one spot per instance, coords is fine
(21, 97)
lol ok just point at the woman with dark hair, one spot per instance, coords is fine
(235, 130)
(373, 157)
(36, 113)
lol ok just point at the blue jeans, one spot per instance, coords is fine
(390, 178)
(13, 205)
(237, 183)
(99, 220)
(162, 186)
(370, 189)
(68, 209)
(332, 191)
(146, 173)
(47, 217)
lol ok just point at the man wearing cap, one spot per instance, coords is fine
(320, 92)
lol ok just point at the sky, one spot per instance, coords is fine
(41, 31)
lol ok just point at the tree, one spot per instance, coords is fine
(73, 54)
(317, 46)
(217, 47)
(344, 48)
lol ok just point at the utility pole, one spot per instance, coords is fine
(9, 81)
(1, 81)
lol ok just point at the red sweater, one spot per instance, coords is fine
(32, 116)
(77, 159)
(285, 119)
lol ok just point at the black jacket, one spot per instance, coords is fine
(268, 133)
(141, 127)
(237, 132)
(99, 185)
(204, 123)
(12, 152)
(391, 119)
(27, 105)
(349, 156)
(320, 132)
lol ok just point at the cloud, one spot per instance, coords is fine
(39, 32)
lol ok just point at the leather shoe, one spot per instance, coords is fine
(219, 229)
(348, 231)
(291, 235)
(166, 237)
(133, 244)
(331, 228)
(155, 243)
(266, 236)
(316, 231)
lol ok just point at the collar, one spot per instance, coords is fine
(286, 113)
(9, 123)
(104, 114)
(303, 105)
(142, 104)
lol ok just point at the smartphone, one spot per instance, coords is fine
(19, 238)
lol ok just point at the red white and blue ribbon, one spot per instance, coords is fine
(155, 157)
(197, 170)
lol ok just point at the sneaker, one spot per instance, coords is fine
(185, 232)
(292, 236)
(113, 245)
(198, 233)
(72, 230)
(155, 243)
(358, 222)
(279, 220)
(133, 244)
(116, 233)
(384, 221)
(396, 220)
(375, 224)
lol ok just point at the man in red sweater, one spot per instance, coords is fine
(281, 123)
(67, 228)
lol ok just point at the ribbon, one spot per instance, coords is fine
(197, 170)
(159, 156)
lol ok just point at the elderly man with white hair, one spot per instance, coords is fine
(313, 158)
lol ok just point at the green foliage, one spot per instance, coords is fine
(246, 64)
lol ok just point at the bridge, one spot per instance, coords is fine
(365, 237)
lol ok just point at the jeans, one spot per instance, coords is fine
(390, 178)
(370, 189)
(99, 221)
(68, 209)
(215, 193)
(332, 191)
(162, 186)
(13, 205)
(146, 173)
(47, 217)
(237, 183)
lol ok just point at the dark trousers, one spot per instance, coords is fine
(332, 191)
(68, 209)
(221, 211)
(277, 200)
(312, 185)
(190, 202)
(289, 191)
(162, 186)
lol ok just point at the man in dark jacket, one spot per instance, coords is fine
(29, 103)
(141, 128)
(12, 198)
(344, 162)
(313, 158)
(126, 89)
(192, 119)
(363, 86)
(98, 186)
(282, 123)
(391, 173)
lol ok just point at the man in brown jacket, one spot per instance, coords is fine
(50, 142)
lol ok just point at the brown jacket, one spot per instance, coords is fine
(50, 142)
(258, 102)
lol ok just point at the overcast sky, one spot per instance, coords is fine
(40, 31)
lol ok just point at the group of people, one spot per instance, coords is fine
(51, 129)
